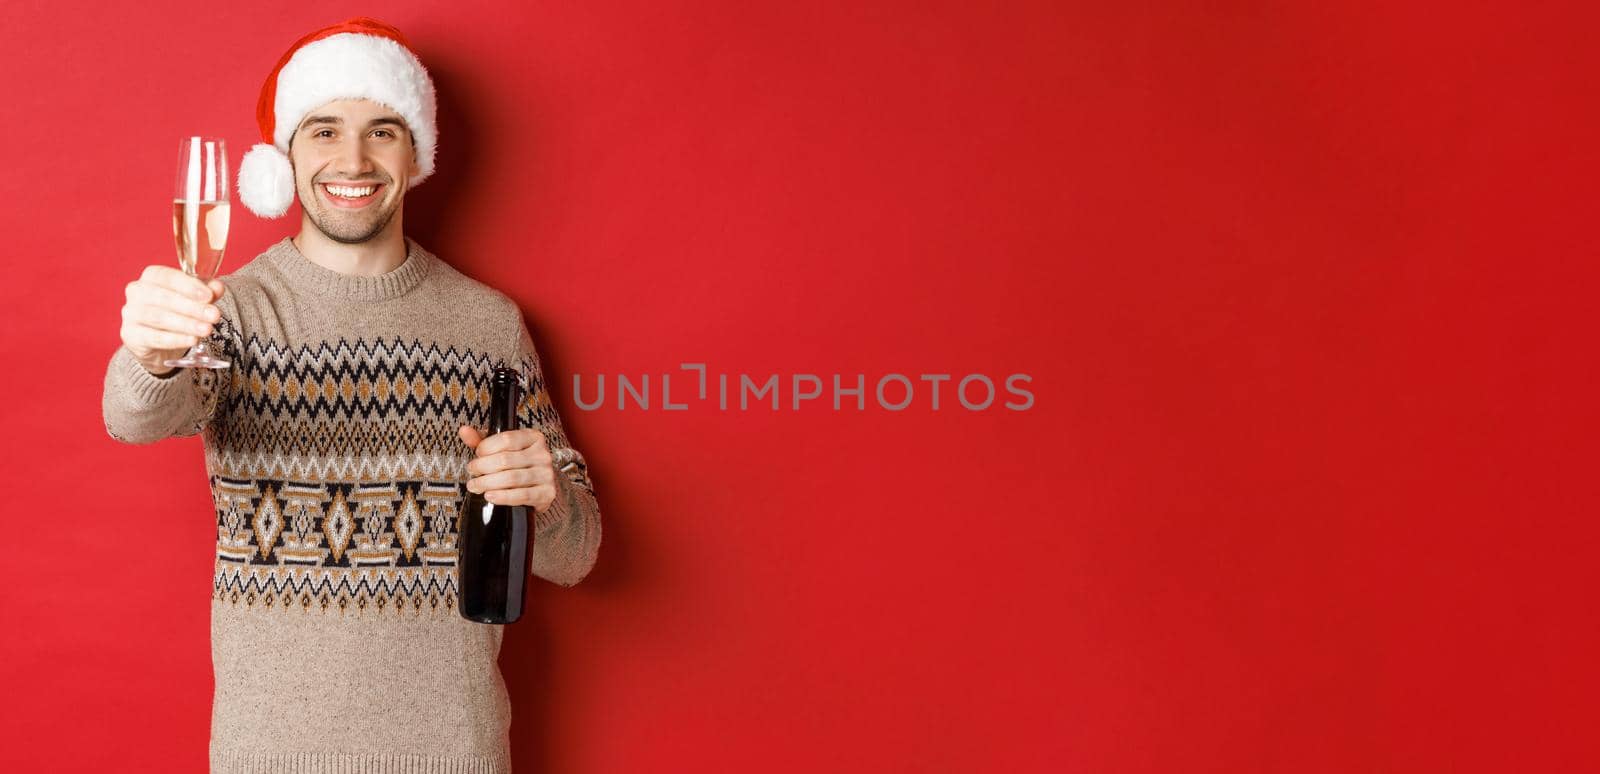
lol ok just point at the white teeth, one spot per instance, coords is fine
(349, 192)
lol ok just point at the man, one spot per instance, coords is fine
(340, 442)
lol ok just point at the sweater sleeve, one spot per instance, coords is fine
(139, 407)
(567, 533)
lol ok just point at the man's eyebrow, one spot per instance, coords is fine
(337, 121)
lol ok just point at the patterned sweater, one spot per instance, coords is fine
(337, 477)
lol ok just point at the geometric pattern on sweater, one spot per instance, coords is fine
(367, 410)
(312, 589)
(337, 546)
(370, 380)
(338, 474)
(402, 524)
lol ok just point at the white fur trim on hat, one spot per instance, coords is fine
(266, 181)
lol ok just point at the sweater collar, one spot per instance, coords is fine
(305, 274)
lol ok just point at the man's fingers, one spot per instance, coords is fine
(157, 318)
(147, 295)
(217, 288)
(514, 478)
(470, 436)
(176, 281)
(506, 460)
(505, 479)
(539, 497)
(521, 438)
(151, 339)
(167, 310)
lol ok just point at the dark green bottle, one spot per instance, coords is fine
(495, 540)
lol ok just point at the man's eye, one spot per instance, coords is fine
(323, 132)
(384, 132)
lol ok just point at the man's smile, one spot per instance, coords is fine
(350, 196)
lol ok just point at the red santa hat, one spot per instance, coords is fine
(359, 58)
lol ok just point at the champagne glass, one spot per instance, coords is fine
(200, 224)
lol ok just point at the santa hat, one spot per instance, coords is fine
(360, 58)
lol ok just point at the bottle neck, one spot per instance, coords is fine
(504, 399)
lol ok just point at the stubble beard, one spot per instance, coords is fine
(353, 231)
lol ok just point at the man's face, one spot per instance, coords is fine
(353, 161)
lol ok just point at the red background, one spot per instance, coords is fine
(1306, 486)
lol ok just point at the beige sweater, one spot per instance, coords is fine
(337, 477)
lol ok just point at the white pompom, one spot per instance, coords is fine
(266, 181)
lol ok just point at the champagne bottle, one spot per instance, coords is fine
(495, 540)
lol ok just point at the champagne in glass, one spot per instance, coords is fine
(200, 224)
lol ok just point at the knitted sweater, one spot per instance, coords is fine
(337, 477)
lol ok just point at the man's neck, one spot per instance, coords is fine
(379, 255)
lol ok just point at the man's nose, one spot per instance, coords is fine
(352, 158)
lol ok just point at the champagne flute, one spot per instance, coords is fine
(200, 224)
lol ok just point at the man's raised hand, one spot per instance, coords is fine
(166, 313)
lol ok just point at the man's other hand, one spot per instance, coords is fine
(511, 468)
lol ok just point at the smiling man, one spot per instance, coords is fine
(340, 443)
(355, 159)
